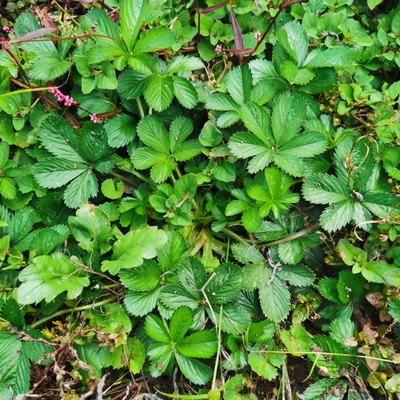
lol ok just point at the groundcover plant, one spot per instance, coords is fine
(201, 190)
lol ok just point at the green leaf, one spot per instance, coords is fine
(81, 189)
(131, 84)
(247, 253)
(136, 354)
(238, 83)
(139, 304)
(318, 389)
(48, 68)
(293, 38)
(394, 307)
(287, 117)
(142, 278)
(132, 248)
(54, 173)
(112, 188)
(153, 134)
(184, 64)
(210, 136)
(336, 216)
(349, 286)
(296, 275)
(291, 252)
(221, 102)
(133, 14)
(325, 189)
(194, 370)
(226, 284)
(156, 329)
(180, 323)
(261, 331)
(91, 228)
(338, 56)
(251, 219)
(327, 287)
(60, 139)
(259, 364)
(342, 329)
(274, 298)
(121, 130)
(46, 277)
(14, 367)
(172, 252)
(185, 92)
(202, 344)
(159, 92)
(258, 121)
(155, 39)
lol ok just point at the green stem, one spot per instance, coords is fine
(140, 108)
(214, 379)
(70, 310)
(291, 237)
(235, 236)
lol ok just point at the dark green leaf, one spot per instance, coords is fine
(141, 303)
(238, 83)
(133, 14)
(154, 39)
(159, 92)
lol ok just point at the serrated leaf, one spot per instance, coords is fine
(251, 219)
(153, 134)
(258, 121)
(325, 189)
(49, 68)
(342, 329)
(323, 79)
(349, 286)
(133, 14)
(184, 64)
(274, 299)
(81, 189)
(338, 56)
(202, 344)
(131, 84)
(172, 252)
(14, 366)
(156, 329)
(247, 253)
(293, 38)
(54, 173)
(394, 307)
(46, 277)
(291, 252)
(121, 130)
(263, 69)
(159, 92)
(221, 102)
(158, 38)
(336, 216)
(238, 83)
(130, 251)
(194, 370)
(180, 323)
(185, 92)
(141, 303)
(143, 278)
(327, 287)
(287, 117)
(60, 139)
(235, 319)
(253, 275)
(318, 389)
(174, 296)
(296, 275)
(225, 285)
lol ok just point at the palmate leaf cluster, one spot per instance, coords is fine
(218, 212)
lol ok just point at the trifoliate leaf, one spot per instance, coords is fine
(325, 189)
(47, 277)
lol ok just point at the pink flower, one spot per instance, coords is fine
(94, 118)
(7, 29)
(257, 35)
(218, 48)
(68, 101)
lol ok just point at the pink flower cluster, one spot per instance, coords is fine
(218, 48)
(68, 101)
(257, 35)
(7, 29)
(94, 118)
